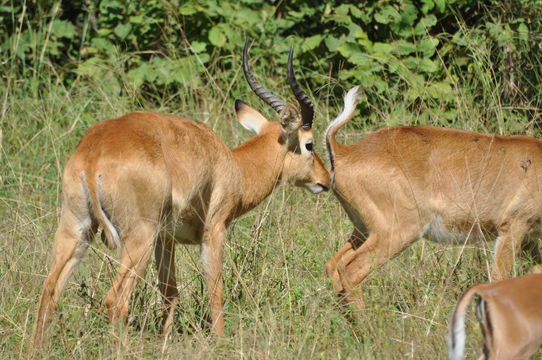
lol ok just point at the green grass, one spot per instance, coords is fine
(278, 303)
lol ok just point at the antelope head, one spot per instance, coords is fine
(301, 165)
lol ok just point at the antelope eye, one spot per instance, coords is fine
(308, 146)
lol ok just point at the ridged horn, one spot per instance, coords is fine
(264, 94)
(305, 104)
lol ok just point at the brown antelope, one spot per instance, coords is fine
(152, 180)
(402, 183)
(510, 316)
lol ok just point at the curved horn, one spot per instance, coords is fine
(307, 110)
(264, 94)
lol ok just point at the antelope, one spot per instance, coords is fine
(510, 316)
(152, 180)
(400, 184)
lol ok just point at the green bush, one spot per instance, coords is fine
(422, 52)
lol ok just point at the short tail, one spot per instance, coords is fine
(456, 332)
(110, 235)
(350, 101)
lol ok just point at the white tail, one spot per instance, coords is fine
(152, 180)
(402, 183)
(350, 101)
(456, 333)
(510, 316)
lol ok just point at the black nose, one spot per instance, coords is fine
(324, 187)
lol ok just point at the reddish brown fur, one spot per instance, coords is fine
(511, 318)
(162, 179)
(400, 182)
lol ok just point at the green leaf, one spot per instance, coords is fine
(427, 66)
(494, 29)
(138, 19)
(341, 19)
(427, 47)
(63, 29)
(25, 41)
(104, 32)
(403, 27)
(198, 46)
(8, 9)
(428, 5)
(371, 81)
(162, 70)
(356, 32)
(365, 63)
(424, 25)
(382, 48)
(187, 9)
(366, 44)
(347, 49)
(523, 32)
(137, 75)
(311, 42)
(342, 9)
(54, 47)
(503, 35)
(110, 5)
(216, 36)
(90, 67)
(355, 12)
(203, 58)
(248, 16)
(103, 45)
(122, 30)
(441, 5)
(398, 67)
(233, 37)
(441, 91)
(282, 24)
(402, 47)
(506, 36)
(409, 14)
(387, 15)
(462, 60)
(420, 65)
(333, 43)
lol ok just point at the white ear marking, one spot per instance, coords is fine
(249, 118)
(252, 125)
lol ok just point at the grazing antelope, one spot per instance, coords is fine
(510, 316)
(151, 180)
(402, 183)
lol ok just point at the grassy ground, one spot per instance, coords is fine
(279, 304)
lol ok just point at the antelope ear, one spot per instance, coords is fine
(249, 118)
(290, 120)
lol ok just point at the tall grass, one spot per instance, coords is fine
(279, 305)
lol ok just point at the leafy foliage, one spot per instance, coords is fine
(419, 51)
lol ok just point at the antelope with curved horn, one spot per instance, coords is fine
(401, 183)
(153, 180)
